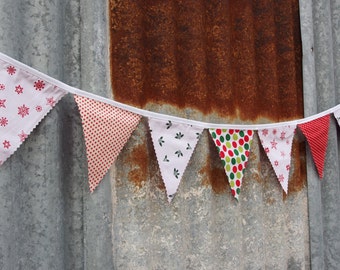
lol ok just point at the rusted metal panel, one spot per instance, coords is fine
(238, 59)
(214, 61)
(232, 61)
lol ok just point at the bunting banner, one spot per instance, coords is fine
(316, 132)
(24, 101)
(106, 131)
(27, 95)
(277, 143)
(174, 144)
(234, 148)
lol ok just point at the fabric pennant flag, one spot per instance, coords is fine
(337, 116)
(277, 143)
(233, 146)
(174, 144)
(316, 132)
(106, 131)
(24, 101)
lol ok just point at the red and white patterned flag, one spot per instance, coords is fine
(234, 148)
(106, 131)
(316, 132)
(174, 144)
(24, 101)
(277, 143)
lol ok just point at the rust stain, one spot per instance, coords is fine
(213, 172)
(139, 158)
(236, 58)
(298, 179)
(214, 177)
(270, 201)
(142, 159)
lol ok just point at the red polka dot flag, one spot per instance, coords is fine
(316, 132)
(106, 131)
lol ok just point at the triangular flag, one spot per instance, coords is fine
(24, 101)
(316, 132)
(106, 131)
(337, 116)
(174, 144)
(277, 143)
(233, 146)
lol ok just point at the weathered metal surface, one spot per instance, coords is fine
(237, 59)
(232, 61)
(48, 219)
(201, 229)
(321, 73)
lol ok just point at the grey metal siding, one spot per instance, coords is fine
(320, 38)
(48, 218)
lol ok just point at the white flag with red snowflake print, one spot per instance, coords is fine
(277, 143)
(234, 147)
(316, 132)
(106, 131)
(24, 101)
(174, 144)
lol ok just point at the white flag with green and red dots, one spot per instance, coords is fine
(234, 148)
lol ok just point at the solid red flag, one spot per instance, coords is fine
(316, 132)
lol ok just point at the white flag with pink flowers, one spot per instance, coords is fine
(277, 143)
(24, 102)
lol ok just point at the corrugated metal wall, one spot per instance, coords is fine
(48, 219)
(236, 59)
(320, 24)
